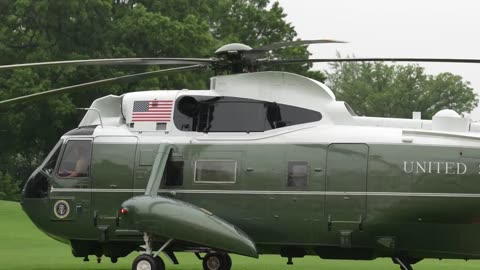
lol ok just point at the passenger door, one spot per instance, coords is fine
(112, 179)
(346, 186)
(298, 209)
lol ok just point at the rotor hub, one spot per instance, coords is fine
(232, 48)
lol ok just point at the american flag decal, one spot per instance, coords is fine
(159, 111)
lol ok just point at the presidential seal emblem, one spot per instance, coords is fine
(61, 209)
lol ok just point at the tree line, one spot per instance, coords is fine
(42, 30)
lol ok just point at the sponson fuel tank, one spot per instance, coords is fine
(185, 222)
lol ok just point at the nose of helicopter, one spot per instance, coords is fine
(34, 198)
(36, 186)
(38, 206)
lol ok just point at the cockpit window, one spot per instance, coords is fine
(37, 185)
(51, 159)
(76, 159)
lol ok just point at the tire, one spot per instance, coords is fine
(216, 261)
(147, 262)
(160, 263)
(229, 261)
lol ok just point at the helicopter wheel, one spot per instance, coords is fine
(148, 262)
(217, 261)
(229, 261)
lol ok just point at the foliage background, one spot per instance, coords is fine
(388, 90)
(43, 30)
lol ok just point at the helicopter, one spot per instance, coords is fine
(263, 162)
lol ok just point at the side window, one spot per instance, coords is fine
(280, 115)
(76, 159)
(236, 117)
(297, 173)
(215, 171)
(231, 114)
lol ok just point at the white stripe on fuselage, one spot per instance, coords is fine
(271, 192)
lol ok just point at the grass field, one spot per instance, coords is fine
(22, 246)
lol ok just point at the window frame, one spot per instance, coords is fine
(62, 154)
(195, 181)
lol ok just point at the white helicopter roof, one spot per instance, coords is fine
(272, 86)
(280, 87)
(128, 111)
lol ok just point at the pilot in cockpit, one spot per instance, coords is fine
(75, 155)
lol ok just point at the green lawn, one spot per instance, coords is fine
(22, 246)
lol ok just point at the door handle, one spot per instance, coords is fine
(113, 186)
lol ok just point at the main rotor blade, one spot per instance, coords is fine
(279, 45)
(118, 61)
(126, 78)
(388, 59)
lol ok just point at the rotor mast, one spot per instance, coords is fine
(234, 58)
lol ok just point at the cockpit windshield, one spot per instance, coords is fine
(37, 185)
(51, 160)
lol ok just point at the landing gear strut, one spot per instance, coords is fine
(405, 262)
(149, 260)
(217, 261)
